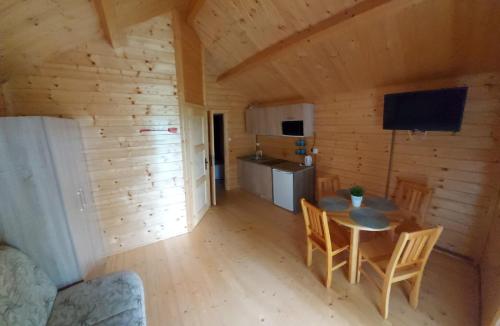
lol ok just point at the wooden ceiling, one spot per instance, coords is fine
(396, 41)
(33, 30)
(385, 42)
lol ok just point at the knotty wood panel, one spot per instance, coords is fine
(33, 30)
(380, 47)
(136, 177)
(191, 64)
(490, 275)
(462, 167)
(221, 97)
(3, 107)
(283, 147)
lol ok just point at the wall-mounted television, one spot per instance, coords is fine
(433, 110)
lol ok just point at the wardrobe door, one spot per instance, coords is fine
(65, 144)
(32, 214)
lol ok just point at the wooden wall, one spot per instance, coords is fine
(3, 107)
(223, 98)
(282, 147)
(462, 167)
(190, 61)
(490, 274)
(136, 176)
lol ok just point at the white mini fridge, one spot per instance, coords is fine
(283, 195)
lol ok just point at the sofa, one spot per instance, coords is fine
(29, 297)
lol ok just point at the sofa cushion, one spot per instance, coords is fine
(26, 292)
(115, 299)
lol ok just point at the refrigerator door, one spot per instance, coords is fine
(283, 189)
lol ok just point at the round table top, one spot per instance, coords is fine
(341, 211)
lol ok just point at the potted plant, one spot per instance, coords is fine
(357, 196)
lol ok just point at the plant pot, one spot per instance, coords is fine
(356, 200)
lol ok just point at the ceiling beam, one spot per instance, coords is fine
(116, 16)
(109, 23)
(193, 10)
(305, 34)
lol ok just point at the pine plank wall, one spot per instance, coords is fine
(137, 177)
(3, 108)
(462, 168)
(490, 274)
(233, 103)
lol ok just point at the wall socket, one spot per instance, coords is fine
(315, 150)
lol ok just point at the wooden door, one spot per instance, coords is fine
(212, 158)
(198, 146)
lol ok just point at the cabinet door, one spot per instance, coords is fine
(264, 181)
(274, 118)
(32, 213)
(244, 175)
(64, 140)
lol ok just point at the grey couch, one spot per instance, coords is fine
(28, 297)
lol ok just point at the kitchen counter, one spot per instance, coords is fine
(291, 166)
(276, 163)
(265, 160)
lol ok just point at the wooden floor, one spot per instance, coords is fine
(244, 265)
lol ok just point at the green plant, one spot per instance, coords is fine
(357, 191)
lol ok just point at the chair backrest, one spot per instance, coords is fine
(413, 250)
(327, 185)
(412, 199)
(316, 222)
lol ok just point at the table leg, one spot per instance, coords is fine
(353, 255)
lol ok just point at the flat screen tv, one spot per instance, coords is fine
(434, 110)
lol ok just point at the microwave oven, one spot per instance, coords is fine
(292, 128)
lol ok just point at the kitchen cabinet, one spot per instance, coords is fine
(267, 120)
(282, 182)
(256, 178)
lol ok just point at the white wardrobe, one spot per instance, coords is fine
(46, 205)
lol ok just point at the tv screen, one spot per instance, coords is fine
(435, 110)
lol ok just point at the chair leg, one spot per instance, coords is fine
(309, 253)
(329, 263)
(384, 299)
(358, 274)
(415, 291)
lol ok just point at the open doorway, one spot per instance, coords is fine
(218, 154)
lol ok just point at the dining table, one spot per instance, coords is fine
(376, 214)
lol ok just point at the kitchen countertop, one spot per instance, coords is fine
(276, 163)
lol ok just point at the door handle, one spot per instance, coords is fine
(84, 197)
(82, 205)
(206, 164)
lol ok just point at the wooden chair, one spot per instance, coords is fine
(404, 260)
(318, 237)
(327, 186)
(413, 200)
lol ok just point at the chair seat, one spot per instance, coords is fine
(115, 299)
(408, 225)
(320, 243)
(378, 250)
